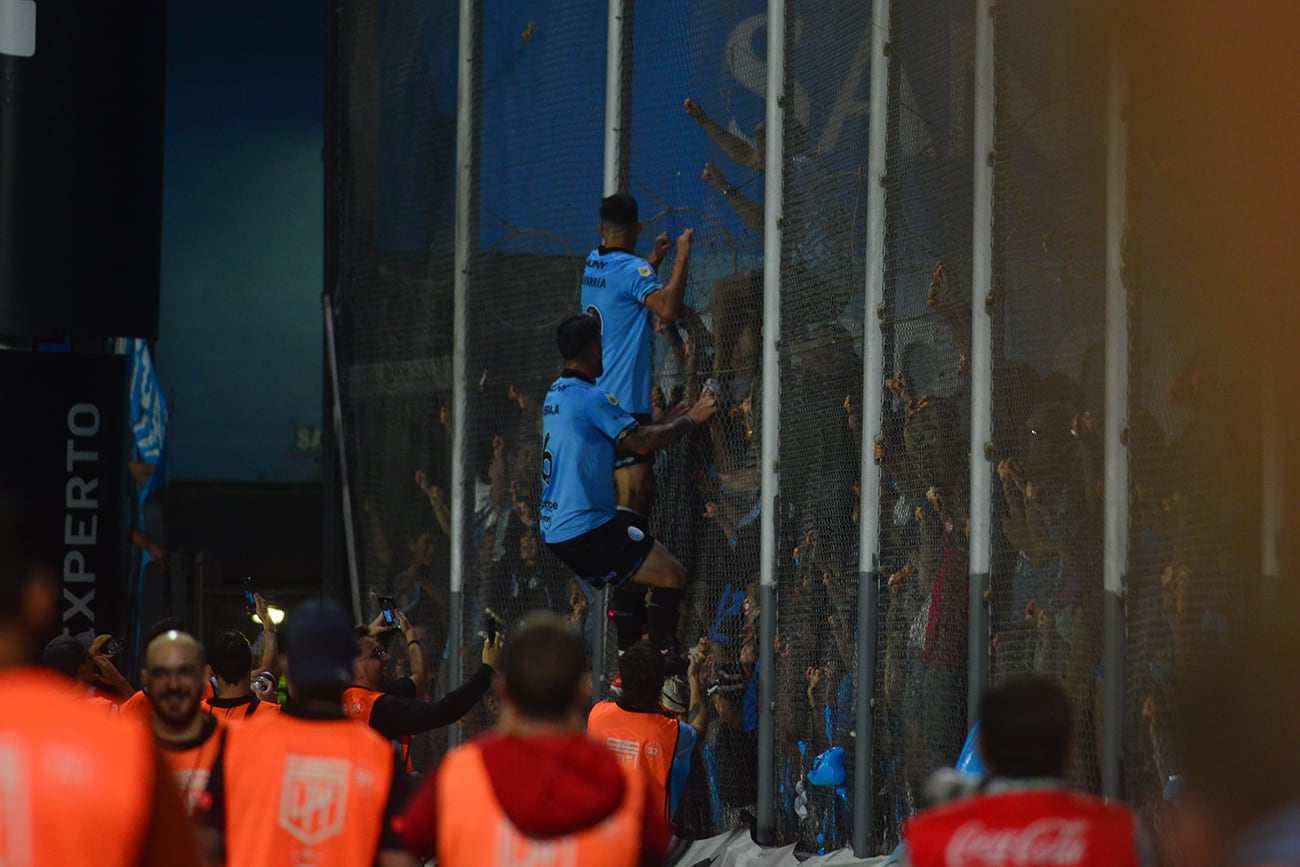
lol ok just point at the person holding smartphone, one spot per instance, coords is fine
(398, 717)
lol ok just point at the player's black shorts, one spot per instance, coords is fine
(607, 555)
(627, 459)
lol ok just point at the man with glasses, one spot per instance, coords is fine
(188, 739)
(397, 717)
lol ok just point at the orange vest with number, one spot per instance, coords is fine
(191, 765)
(645, 742)
(301, 791)
(359, 703)
(76, 785)
(474, 830)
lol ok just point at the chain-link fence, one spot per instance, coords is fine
(688, 139)
(1048, 308)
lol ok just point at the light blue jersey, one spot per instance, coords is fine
(614, 288)
(581, 422)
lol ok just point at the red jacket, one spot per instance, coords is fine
(1025, 828)
(548, 786)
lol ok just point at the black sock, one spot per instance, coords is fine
(628, 604)
(661, 615)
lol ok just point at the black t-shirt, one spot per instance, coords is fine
(395, 716)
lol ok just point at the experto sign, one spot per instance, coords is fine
(65, 450)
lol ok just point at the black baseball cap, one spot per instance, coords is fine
(321, 645)
(65, 653)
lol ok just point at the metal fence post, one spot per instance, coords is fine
(771, 418)
(345, 488)
(466, 174)
(981, 361)
(618, 117)
(1116, 490)
(873, 396)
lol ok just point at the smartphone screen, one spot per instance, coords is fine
(386, 605)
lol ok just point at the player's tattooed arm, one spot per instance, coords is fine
(647, 439)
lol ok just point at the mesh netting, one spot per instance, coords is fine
(828, 48)
(539, 114)
(396, 110)
(1049, 329)
(706, 506)
(539, 121)
(1195, 481)
(921, 716)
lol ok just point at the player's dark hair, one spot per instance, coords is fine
(544, 667)
(577, 334)
(641, 669)
(230, 656)
(619, 213)
(1025, 728)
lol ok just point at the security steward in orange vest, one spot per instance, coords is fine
(188, 737)
(231, 659)
(536, 791)
(398, 717)
(78, 786)
(307, 785)
(1023, 815)
(640, 735)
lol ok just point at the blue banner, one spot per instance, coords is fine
(148, 417)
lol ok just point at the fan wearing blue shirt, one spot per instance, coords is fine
(583, 426)
(622, 290)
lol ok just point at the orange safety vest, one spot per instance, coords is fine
(359, 703)
(642, 741)
(473, 829)
(191, 764)
(75, 785)
(137, 707)
(301, 791)
(242, 710)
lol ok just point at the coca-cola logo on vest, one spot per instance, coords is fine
(1043, 843)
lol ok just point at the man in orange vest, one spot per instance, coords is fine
(640, 735)
(1022, 815)
(537, 791)
(188, 737)
(398, 717)
(231, 659)
(58, 753)
(307, 785)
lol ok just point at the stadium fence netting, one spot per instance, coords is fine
(537, 152)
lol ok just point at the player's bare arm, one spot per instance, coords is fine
(666, 302)
(650, 438)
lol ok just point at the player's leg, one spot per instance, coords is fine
(666, 576)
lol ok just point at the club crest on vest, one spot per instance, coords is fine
(313, 800)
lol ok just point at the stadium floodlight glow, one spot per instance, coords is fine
(277, 616)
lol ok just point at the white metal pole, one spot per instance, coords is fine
(614, 147)
(981, 360)
(613, 96)
(345, 487)
(466, 154)
(771, 418)
(873, 387)
(1116, 488)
